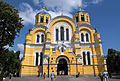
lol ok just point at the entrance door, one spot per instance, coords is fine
(62, 67)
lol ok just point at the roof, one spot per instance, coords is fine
(43, 12)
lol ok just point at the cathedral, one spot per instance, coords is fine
(63, 44)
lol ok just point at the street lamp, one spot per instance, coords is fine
(76, 66)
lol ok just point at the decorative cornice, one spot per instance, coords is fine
(87, 25)
(39, 26)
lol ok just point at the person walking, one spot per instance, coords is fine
(44, 75)
(52, 75)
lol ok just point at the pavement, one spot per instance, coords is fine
(59, 78)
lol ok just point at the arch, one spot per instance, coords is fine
(89, 30)
(61, 19)
(62, 56)
(64, 18)
(62, 66)
(34, 31)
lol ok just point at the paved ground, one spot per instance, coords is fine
(60, 78)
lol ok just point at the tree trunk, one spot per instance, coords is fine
(1, 77)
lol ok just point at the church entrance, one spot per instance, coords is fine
(62, 68)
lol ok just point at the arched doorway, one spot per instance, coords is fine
(62, 66)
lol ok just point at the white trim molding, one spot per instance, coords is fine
(86, 56)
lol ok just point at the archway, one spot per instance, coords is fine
(62, 67)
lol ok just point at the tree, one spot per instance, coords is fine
(10, 26)
(113, 61)
(11, 62)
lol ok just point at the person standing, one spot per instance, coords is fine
(101, 76)
(10, 76)
(52, 75)
(105, 76)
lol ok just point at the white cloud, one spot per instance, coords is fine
(20, 47)
(96, 1)
(36, 2)
(55, 7)
(54, 14)
(65, 5)
(21, 56)
(27, 13)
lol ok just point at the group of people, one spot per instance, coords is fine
(10, 77)
(105, 76)
(52, 75)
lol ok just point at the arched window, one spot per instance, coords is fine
(88, 58)
(46, 19)
(62, 33)
(87, 37)
(57, 34)
(82, 18)
(41, 59)
(37, 59)
(67, 34)
(82, 37)
(41, 19)
(84, 58)
(42, 38)
(38, 37)
(77, 19)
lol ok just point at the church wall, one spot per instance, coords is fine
(73, 48)
(29, 70)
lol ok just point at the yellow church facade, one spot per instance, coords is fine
(63, 44)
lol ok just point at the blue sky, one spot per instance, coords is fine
(104, 15)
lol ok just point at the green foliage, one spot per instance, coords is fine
(10, 62)
(113, 61)
(10, 24)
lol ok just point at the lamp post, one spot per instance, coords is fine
(76, 67)
(70, 66)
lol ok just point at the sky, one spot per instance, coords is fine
(104, 15)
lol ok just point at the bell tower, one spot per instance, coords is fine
(81, 17)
